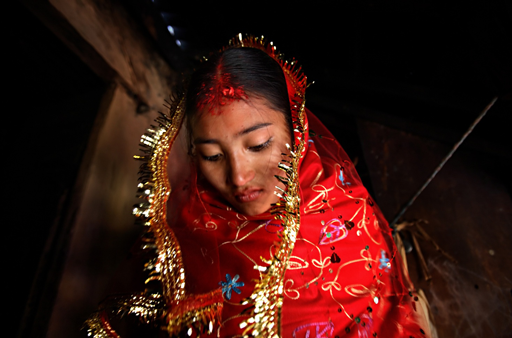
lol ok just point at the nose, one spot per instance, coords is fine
(241, 171)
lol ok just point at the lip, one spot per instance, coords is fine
(249, 195)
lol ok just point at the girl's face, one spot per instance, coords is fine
(238, 148)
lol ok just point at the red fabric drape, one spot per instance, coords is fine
(344, 277)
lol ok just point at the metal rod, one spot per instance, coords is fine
(443, 162)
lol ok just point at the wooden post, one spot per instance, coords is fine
(94, 233)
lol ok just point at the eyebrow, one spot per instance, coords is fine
(201, 140)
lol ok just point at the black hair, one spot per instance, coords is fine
(250, 69)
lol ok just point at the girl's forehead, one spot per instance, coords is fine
(236, 119)
(243, 110)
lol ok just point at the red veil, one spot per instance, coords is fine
(322, 262)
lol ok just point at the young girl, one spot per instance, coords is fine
(269, 232)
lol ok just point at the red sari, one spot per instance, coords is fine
(343, 277)
(322, 263)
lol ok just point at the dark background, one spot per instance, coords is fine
(397, 82)
(423, 67)
(433, 63)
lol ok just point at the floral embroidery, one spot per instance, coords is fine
(231, 285)
(384, 262)
(364, 328)
(333, 231)
(296, 263)
(273, 227)
(324, 329)
(342, 178)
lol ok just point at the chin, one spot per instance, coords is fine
(252, 210)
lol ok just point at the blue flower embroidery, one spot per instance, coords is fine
(231, 285)
(342, 178)
(384, 262)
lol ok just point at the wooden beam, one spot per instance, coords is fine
(106, 38)
(111, 44)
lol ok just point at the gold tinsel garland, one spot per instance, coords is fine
(173, 306)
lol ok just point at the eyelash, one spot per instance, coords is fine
(255, 149)
(262, 146)
(211, 158)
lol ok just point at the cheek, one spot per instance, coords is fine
(277, 158)
(213, 174)
(269, 166)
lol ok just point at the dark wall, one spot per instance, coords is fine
(467, 211)
(56, 99)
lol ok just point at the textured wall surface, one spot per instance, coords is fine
(469, 215)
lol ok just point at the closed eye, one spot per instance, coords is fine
(262, 146)
(211, 158)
